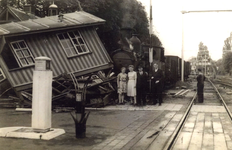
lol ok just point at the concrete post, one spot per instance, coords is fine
(42, 94)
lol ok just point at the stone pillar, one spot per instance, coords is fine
(42, 94)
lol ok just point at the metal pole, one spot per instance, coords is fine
(150, 32)
(151, 24)
(205, 63)
(182, 51)
(150, 48)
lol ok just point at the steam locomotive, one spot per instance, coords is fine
(132, 52)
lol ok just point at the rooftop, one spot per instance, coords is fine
(19, 15)
(70, 20)
(53, 6)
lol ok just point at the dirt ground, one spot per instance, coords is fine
(101, 126)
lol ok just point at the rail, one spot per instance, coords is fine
(175, 135)
(223, 102)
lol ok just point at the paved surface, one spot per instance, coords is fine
(208, 126)
(114, 127)
(136, 128)
(206, 130)
(165, 106)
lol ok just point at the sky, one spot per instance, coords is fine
(210, 28)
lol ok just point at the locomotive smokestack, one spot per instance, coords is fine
(125, 35)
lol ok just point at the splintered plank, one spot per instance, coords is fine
(160, 141)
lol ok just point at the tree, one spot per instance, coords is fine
(117, 13)
(4, 3)
(227, 62)
(220, 67)
(227, 44)
(202, 46)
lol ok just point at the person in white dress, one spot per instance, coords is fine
(131, 84)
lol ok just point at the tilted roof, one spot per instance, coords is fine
(51, 23)
(19, 15)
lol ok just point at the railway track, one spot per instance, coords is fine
(225, 82)
(176, 135)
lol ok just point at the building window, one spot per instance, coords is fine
(2, 76)
(73, 43)
(22, 53)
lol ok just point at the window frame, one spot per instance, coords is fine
(73, 44)
(2, 75)
(18, 58)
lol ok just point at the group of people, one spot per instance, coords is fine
(135, 85)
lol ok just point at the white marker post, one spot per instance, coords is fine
(41, 107)
(42, 94)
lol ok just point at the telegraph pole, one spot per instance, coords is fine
(151, 31)
(150, 48)
(182, 49)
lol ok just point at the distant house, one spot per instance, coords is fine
(71, 41)
(10, 14)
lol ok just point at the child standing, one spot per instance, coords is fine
(121, 81)
(131, 85)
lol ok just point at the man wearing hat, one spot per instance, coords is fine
(141, 86)
(156, 84)
(200, 86)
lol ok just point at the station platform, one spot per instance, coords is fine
(207, 128)
(164, 106)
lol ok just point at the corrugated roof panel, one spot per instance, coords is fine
(12, 28)
(97, 19)
(32, 25)
(76, 19)
(81, 17)
(52, 23)
(4, 31)
(68, 20)
(65, 21)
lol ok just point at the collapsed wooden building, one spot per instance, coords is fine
(70, 40)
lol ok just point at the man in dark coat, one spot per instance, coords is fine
(200, 86)
(156, 84)
(141, 86)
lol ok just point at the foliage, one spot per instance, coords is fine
(9, 2)
(227, 44)
(227, 62)
(117, 13)
(202, 46)
(220, 67)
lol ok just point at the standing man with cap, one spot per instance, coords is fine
(200, 86)
(156, 84)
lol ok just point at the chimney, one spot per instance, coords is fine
(125, 35)
(27, 9)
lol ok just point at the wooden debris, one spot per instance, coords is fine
(181, 93)
(229, 93)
